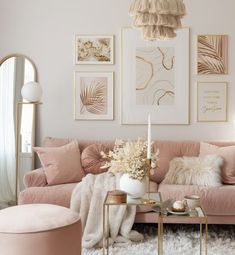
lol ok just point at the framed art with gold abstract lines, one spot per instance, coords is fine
(155, 78)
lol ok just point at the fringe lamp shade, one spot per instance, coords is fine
(158, 19)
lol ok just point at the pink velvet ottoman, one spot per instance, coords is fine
(40, 229)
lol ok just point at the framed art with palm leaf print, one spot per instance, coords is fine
(212, 54)
(94, 95)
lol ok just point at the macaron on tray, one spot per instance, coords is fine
(178, 208)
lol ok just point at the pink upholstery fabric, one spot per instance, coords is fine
(40, 230)
(57, 194)
(56, 142)
(61, 164)
(35, 218)
(215, 200)
(35, 178)
(92, 160)
(228, 154)
(60, 194)
(172, 149)
(168, 151)
(66, 240)
(90, 152)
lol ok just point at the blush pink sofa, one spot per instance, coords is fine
(218, 202)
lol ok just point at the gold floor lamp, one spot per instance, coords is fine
(31, 93)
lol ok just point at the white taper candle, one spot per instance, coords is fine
(149, 138)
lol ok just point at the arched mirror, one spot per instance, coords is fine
(16, 155)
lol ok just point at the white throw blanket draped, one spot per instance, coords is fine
(88, 198)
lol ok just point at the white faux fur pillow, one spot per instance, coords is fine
(202, 171)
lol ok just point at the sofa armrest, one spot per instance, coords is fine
(35, 178)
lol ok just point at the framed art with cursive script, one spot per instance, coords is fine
(212, 101)
(155, 78)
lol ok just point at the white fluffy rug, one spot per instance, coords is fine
(178, 240)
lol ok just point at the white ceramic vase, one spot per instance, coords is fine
(133, 188)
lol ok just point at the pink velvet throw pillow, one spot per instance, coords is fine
(92, 161)
(61, 164)
(228, 154)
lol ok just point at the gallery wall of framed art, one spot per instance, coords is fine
(93, 90)
(212, 95)
(55, 54)
(155, 78)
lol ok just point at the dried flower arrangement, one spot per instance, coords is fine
(131, 158)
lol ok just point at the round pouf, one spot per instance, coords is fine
(40, 229)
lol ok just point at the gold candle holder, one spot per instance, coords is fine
(148, 200)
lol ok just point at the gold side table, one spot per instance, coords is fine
(197, 216)
(156, 196)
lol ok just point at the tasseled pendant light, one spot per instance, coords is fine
(158, 19)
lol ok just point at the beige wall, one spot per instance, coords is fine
(44, 30)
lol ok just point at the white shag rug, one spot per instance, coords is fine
(178, 240)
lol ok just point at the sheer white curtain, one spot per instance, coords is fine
(27, 113)
(7, 133)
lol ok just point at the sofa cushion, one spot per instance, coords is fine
(61, 164)
(228, 154)
(169, 150)
(203, 171)
(35, 178)
(57, 194)
(92, 161)
(56, 142)
(215, 200)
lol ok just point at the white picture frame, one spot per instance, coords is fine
(94, 49)
(134, 108)
(212, 101)
(93, 96)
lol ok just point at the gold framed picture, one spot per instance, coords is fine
(94, 49)
(93, 96)
(155, 79)
(212, 101)
(212, 54)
